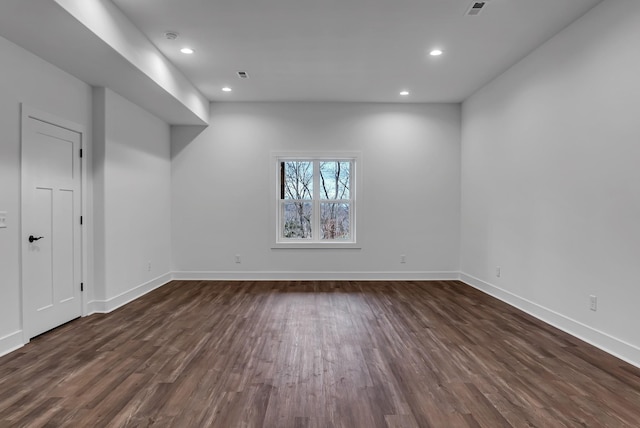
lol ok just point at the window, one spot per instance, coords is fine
(315, 201)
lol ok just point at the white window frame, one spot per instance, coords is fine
(355, 194)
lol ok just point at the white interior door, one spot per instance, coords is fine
(51, 206)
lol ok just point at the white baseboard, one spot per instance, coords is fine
(11, 342)
(313, 276)
(612, 345)
(105, 306)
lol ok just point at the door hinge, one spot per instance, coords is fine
(80, 152)
(81, 220)
(82, 286)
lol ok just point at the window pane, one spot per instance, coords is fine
(335, 179)
(296, 180)
(296, 217)
(335, 221)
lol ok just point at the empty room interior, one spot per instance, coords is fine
(319, 214)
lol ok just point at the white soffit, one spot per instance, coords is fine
(45, 28)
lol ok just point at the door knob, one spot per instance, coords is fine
(33, 238)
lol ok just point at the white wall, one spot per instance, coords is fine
(133, 174)
(132, 200)
(24, 78)
(410, 198)
(551, 179)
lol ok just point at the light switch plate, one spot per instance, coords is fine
(3, 219)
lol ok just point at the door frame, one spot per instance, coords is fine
(27, 112)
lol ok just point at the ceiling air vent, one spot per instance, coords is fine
(476, 8)
(243, 74)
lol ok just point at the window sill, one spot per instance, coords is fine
(316, 245)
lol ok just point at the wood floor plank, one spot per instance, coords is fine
(315, 354)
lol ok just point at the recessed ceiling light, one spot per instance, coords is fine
(404, 93)
(226, 89)
(436, 52)
(187, 51)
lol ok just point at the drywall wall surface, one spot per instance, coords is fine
(550, 180)
(408, 201)
(134, 169)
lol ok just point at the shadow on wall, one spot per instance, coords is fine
(182, 136)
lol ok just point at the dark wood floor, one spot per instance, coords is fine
(315, 354)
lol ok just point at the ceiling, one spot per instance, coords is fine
(293, 50)
(348, 50)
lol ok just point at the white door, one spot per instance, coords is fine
(51, 256)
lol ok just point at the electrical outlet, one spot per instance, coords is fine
(238, 258)
(593, 303)
(498, 271)
(3, 219)
(403, 258)
(149, 266)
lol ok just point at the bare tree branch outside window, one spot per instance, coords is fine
(298, 193)
(334, 215)
(330, 205)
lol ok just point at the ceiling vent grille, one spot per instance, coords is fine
(476, 8)
(243, 75)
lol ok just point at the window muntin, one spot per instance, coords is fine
(316, 200)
